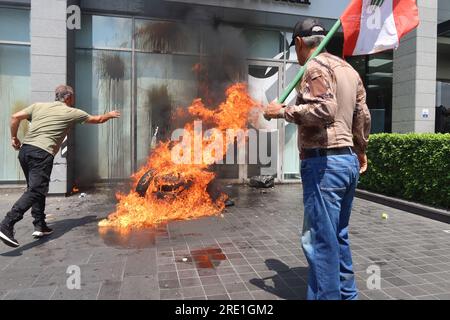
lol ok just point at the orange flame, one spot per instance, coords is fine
(179, 191)
(75, 189)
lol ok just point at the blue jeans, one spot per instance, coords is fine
(329, 185)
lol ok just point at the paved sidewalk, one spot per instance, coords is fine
(251, 252)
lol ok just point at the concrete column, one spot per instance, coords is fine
(414, 87)
(414, 83)
(48, 67)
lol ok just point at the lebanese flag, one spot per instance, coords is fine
(372, 26)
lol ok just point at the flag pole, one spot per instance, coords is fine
(299, 75)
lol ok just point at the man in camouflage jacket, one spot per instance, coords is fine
(333, 129)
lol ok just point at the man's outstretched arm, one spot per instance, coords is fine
(103, 118)
(16, 118)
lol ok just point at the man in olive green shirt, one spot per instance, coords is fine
(50, 123)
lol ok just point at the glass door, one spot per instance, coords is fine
(291, 158)
(265, 146)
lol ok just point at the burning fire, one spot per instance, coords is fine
(75, 189)
(179, 191)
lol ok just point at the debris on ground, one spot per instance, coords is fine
(262, 181)
(229, 203)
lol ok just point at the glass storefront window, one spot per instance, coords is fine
(379, 90)
(264, 43)
(164, 83)
(14, 84)
(291, 54)
(264, 84)
(291, 166)
(14, 96)
(376, 72)
(14, 25)
(103, 84)
(106, 32)
(167, 58)
(166, 37)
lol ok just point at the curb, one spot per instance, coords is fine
(415, 208)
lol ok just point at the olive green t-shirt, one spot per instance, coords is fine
(50, 123)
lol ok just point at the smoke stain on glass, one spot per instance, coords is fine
(160, 37)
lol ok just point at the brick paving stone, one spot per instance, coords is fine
(235, 287)
(169, 284)
(218, 297)
(170, 294)
(210, 280)
(429, 297)
(230, 279)
(190, 292)
(109, 290)
(187, 274)
(414, 291)
(412, 252)
(397, 282)
(397, 293)
(214, 289)
(241, 296)
(263, 295)
(172, 275)
(140, 288)
(190, 282)
(443, 296)
(38, 293)
(86, 292)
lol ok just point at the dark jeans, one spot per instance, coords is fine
(37, 166)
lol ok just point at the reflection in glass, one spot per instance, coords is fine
(164, 83)
(264, 43)
(379, 90)
(263, 84)
(291, 167)
(291, 54)
(166, 37)
(103, 84)
(14, 25)
(14, 96)
(101, 31)
(376, 72)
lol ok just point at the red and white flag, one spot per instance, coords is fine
(372, 26)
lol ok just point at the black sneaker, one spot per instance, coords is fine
(40, 232)
(7, 236)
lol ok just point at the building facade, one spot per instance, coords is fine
(140, 57)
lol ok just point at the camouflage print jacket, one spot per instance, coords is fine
(331, 110)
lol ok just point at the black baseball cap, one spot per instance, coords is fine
(307, 28)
